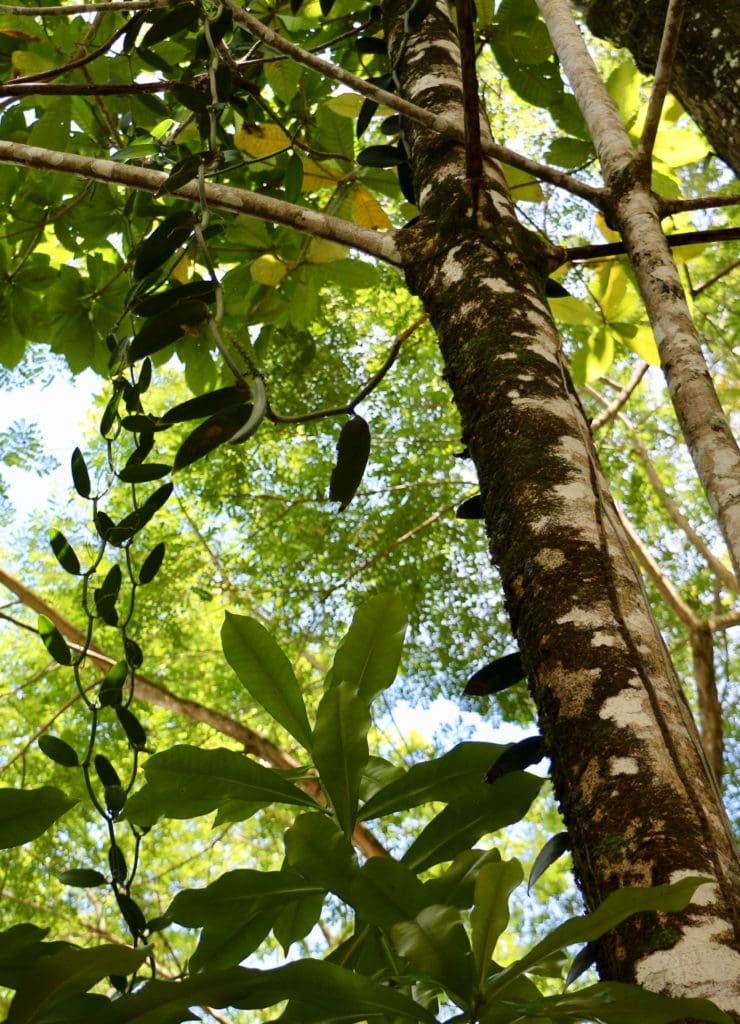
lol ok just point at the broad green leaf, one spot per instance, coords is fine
(524, 188)
(385, 891)
(320, 250)
(26, 813)
(456, 886)
(571, 310)
(617, 906)
(296, 919)
(82, 878)
(235, 895)
(623, 85)
(436, 942)
(614, 1002)
(339, 749)
(460, 825)
(640, 338)
(554, 848)
(593, 358)
(317, 849)
(228, 942)
(283, 77)
(183, 774)
(326, 987)
(265, 673)
(676, 147)
(369, 653)
(445, 778)
(268, 269)
(71, 972)
(490, 915)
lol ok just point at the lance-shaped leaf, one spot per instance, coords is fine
(71, 972)
(456, 886)
(353, 450)
(369, 653)
(461, 824)
(235, 895)
(150, 305)
(152, 563)
(185, 773)
(471, 508)
(554, 848)
(444, 778)
(296, 919)
(106, 595)
(206, 405)
(229, 942)
(133, 728)
(26, 813)
(331, 991)
(54, 642)
(340, 751)
(517, 757)
(59, 751)
(381, 156)
(82, 878)
(215, 431)
(164, 328)
(319, 850)
(498, 675)
(163, 242)
(80, 475)
(617, 906)
(265, 673)
(490, 915)
(436, 942)
(143, 472)
(583, 959)
(64, 553)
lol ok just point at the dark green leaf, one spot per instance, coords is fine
(456, 886)
(82, 878)
(418, 12)
(53, 641)
(132, 727)
(554, 848)
(444, 778)
(145, 376)
(436, 942)
(163, 242)
(59, 751)
(164, 328)
(26, 813)
(381, 156)
(614, 1002)
(190, 97)
(216, 430)
(462, 823)
(339, 749)
(583, 959)
(182, 172)
(111, 690)
(296, 919)
(353, 449)
(68, 973)
(471, 508)
(367, 111)
(293, 180)
(115, 799)
(371, 44)
(134, 653)
(384, 892)
(368, 655)
(130, 525)
(106, 422)
(206, 405)
(106, 596)
(139, 473)
(555, 290)
(170, 23)
(230, 942)
(80, 475)
(517, 757)
(104, 525)
(141, 423)
(265, 673)
(132, 914)
(498, 675)
(152, 563)
(237, 894)
(151, 305)
(319, 850)
(406, 184)
(106, 772)
(117, 863)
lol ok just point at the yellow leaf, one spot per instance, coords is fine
(367, 211)
(322, 251)
(347, 104)
(609, 235)
(268, 269)
(522, 185)
(26, 62)
(677, 147)
(181, 270)
(317, 176)
(643, 343)
(261, 140)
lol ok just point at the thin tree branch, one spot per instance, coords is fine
(222, 197)
(668, 207)
(124, 6)
(159, 696)
(714, 278)
(31, 88)
(710, 708)
(661, 83)
(612, 408)
(437, 122)
(583, 253)
(87, 58)
(349, 407)
(724, 620)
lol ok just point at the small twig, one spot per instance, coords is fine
(82, 88)
(87, 58)
(348, 407)
(584, 253)
(724, 620)
(714, 278)
(611, 410)
(67, 10)
(661, 83)
(670, 206)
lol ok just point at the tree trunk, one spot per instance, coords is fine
(705, 77)
(638, 799)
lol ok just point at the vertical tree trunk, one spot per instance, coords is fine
(705, 75)
(639, 802)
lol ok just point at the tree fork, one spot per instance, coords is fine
(638, 798)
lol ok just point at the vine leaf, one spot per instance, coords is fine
(353, 450)
(58, 751)
(215, 431)
(64, 553)
(516, 757)
(498, 675)
(553, 849)
(26, 813)
(80, 475)
(54, 642)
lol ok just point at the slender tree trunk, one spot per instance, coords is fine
(705, 75)
(639, 801)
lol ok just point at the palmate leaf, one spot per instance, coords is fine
(266, 674)
(337, 993)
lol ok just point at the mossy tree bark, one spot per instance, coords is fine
(639, 802)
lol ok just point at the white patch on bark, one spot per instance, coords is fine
(700, 964)
(497, 285)
(453, 269)
(573, 689)
(601, 639)
(623, 766)
(436, 80)
(628, 709)
(550, 558)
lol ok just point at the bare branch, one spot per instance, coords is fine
(77, 62)
(68, 9)
(724, 620)
(612, 408)
(670, 206)
(221, 197)
(437, 122)
(661, 82)
(319, 414)
(31, 88)
(714, 278)
(152, 693)
(584, 253)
